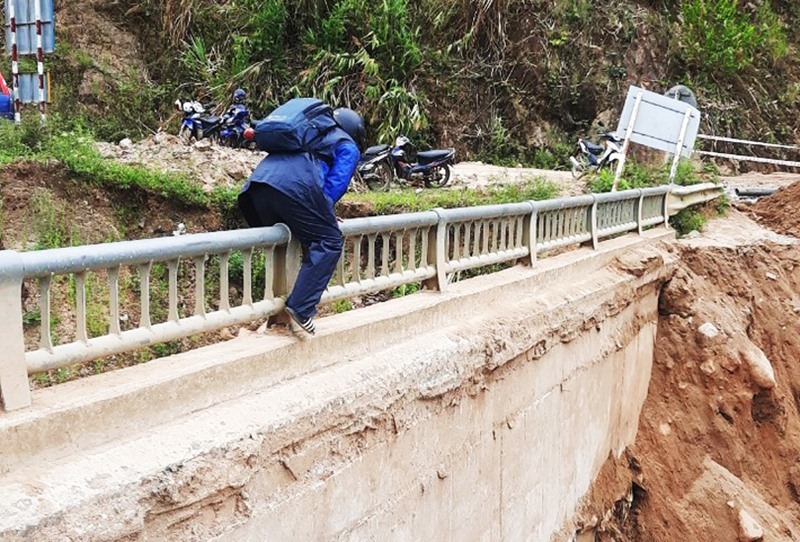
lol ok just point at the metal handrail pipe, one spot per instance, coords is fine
(563, 203)
(382, 224)
(486, 212)
(610, 197)
(678, 190)
(42, 263)
(655, 190)
(108, 345)
(377, 284)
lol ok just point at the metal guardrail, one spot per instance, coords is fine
(379, 253)
(681, 197)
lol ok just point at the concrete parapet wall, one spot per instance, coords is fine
(483, 413)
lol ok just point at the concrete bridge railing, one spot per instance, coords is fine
(379, 253)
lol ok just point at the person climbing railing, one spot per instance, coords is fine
(380, 253)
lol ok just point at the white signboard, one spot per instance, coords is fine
(659, 122)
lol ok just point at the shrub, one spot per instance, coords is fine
(719, 37)
(688, 220)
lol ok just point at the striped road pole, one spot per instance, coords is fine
(39, 58)
(14, 65)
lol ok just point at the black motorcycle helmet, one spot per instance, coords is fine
(352, 123)
(239, 95)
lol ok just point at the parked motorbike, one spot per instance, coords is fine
(196, 124)
(432, 167)
(233, 124)
(376, 169)
(591, 157)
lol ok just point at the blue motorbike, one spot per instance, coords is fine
(196, 125)
(432, 167)
(234, 123)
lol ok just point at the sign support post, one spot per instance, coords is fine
(679, 146)
(14, 61)
(626, 144)
(40, 59)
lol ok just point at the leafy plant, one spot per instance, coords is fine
(407, 200)
(719, 37)
(688, 220)
(48, 220)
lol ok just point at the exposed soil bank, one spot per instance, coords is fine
(781, 211)
(717, 455)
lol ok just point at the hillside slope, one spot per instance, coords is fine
(501, 80)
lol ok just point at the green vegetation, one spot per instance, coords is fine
(638, 175)
(342, 305)
(76, 150)
(406, 289)
(688, 220)
(487, 78)
(50, 228)
(407, 200)
(718, 37)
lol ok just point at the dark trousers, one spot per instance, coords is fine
(313, 223)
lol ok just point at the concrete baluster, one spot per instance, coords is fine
(224, 287)
(14, 389)
(529, 233)
(639, 205)
(594, 222)
(437, 243)
(286, 265)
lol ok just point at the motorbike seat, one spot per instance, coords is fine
(593, 148)
(427, 157)
(375, 149)
(211, 120)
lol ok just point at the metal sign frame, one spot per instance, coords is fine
(658, 122)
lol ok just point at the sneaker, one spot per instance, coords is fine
(307, 324)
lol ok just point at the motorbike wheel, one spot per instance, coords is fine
(185, 135)
(357, 185)
(381, 180)
(439, 177)
(580, 167)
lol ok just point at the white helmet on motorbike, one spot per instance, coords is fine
(401, 141)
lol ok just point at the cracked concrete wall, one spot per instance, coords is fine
(506, 453)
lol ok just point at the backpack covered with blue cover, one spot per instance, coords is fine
(295, 126)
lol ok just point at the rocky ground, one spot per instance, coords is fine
(212, 165)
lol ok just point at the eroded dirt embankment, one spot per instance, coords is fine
(717, 455)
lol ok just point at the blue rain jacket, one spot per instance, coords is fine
(300, 174)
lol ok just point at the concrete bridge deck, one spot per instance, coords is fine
(483, 412)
